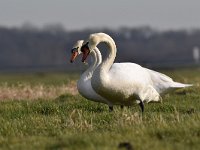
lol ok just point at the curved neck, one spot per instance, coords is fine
(111, 54)
(96, 60)
(98, 56)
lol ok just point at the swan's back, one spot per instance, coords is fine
(129, 71)
(128, 76)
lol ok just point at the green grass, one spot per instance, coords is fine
(72, 122)
(38, 78)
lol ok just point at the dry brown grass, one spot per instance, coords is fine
(32, 92)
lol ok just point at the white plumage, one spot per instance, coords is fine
(125, 83)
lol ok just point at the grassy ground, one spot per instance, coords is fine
(59, 118)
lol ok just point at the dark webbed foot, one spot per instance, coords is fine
(110, 108)
(141, 104)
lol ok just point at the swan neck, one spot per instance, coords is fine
(98, 56)
(108, 60)
(95, 61)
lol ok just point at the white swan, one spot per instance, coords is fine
(125, 83)
(84, 83)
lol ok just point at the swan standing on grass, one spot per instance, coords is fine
(125, 83)
(84, 83)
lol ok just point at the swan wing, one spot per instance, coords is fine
(131, 78)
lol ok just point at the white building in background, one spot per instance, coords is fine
(196, 54)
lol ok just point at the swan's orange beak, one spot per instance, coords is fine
(85, 52)
(73, 56)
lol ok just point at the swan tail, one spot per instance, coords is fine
(180, 85)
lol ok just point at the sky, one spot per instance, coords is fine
(81, 14)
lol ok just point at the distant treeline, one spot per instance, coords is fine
(43, 49)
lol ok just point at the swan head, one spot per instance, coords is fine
(88, 46)
(76, 50)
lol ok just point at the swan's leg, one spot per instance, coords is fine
(141, 104)
(110, 108)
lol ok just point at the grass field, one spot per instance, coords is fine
(44, 111)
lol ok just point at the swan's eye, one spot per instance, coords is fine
(74, 49)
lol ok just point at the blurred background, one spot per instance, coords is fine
(37, 36)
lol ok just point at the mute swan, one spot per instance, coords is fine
(84, 83)
(124, 83)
